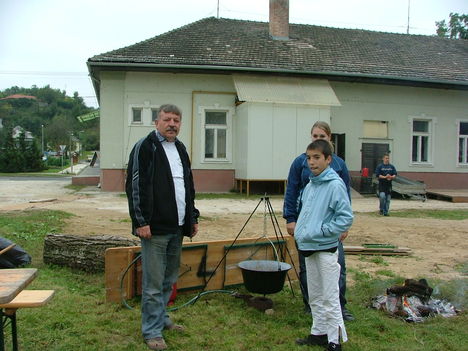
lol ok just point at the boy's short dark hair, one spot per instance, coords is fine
(321, 145)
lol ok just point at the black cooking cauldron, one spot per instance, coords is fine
(264, 276)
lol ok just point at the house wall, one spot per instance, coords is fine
(396, 105)
(270, 136)
(266, 137)
(112, 130)
(120, 91)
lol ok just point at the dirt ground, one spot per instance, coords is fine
(439, 247)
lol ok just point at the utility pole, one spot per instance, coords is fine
(42, 139)
(71, 153)
(217, 11)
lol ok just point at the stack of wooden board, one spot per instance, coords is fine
(377, 249)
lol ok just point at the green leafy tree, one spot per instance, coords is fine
(19, 155)
(31, 114)
(9, 159)
(58, 132)
(51, 115)
(457, 27)
(33, 158)
(21, 150)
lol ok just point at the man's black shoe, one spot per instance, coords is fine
(313, 340)
(333, 347)
(347, 316)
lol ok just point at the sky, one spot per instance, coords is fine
(47, 42)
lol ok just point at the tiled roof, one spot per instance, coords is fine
(19, 96)
(245, 45)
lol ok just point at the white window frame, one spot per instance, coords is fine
(464, 162)
(229, 112)
(146, 114)
(430, 142)
(134, 108)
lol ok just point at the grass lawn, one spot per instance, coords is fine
(78, 318)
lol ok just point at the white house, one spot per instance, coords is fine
(250, 92)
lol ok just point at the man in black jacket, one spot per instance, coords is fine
(161, 200)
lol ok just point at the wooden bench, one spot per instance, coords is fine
(25, 299)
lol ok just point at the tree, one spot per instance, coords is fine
(19, 155)
(33, 158)
(8, 156)
(58, 132)
(456, 29)
(21, 149)
(53, 110)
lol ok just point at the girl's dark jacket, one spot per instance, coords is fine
(150, 188)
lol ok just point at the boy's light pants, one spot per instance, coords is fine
(323, 273)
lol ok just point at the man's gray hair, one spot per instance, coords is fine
(169, 108)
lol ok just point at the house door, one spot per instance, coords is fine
(371, 155)
(339, 143)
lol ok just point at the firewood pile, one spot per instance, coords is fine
(413, 302)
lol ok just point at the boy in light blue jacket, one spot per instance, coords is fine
(325, 214)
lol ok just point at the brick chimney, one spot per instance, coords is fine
(279, 19)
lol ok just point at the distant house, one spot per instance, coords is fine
(28, 137)
(19, 96)
(250, 92)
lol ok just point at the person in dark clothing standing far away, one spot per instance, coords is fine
(161, 200)
(298, 178)
(385, 173)
(325, 214)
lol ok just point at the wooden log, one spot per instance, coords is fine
(82, 252)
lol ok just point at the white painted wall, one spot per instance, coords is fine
(111, 124)
(120, 91)
(270, 136)
(395, 105)
(267, 137)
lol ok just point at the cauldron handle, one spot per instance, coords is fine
(275, 251)
(265, 236)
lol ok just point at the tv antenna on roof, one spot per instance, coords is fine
(407, 27)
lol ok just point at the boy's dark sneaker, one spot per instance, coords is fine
(347, 316)
(313, 340)
(333, 347)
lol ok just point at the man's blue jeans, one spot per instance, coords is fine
(160, 259)
(384, 202)
(341, 282)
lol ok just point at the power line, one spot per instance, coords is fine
(45, 73)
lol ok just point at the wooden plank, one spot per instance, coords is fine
(8, 248)
(13, 281)
(362, 250)
(190, 278)
(448, 195)
(30, 298)
(116, 261)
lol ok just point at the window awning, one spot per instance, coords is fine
(285, 90)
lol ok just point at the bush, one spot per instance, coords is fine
(19, 155)
(57, 161)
